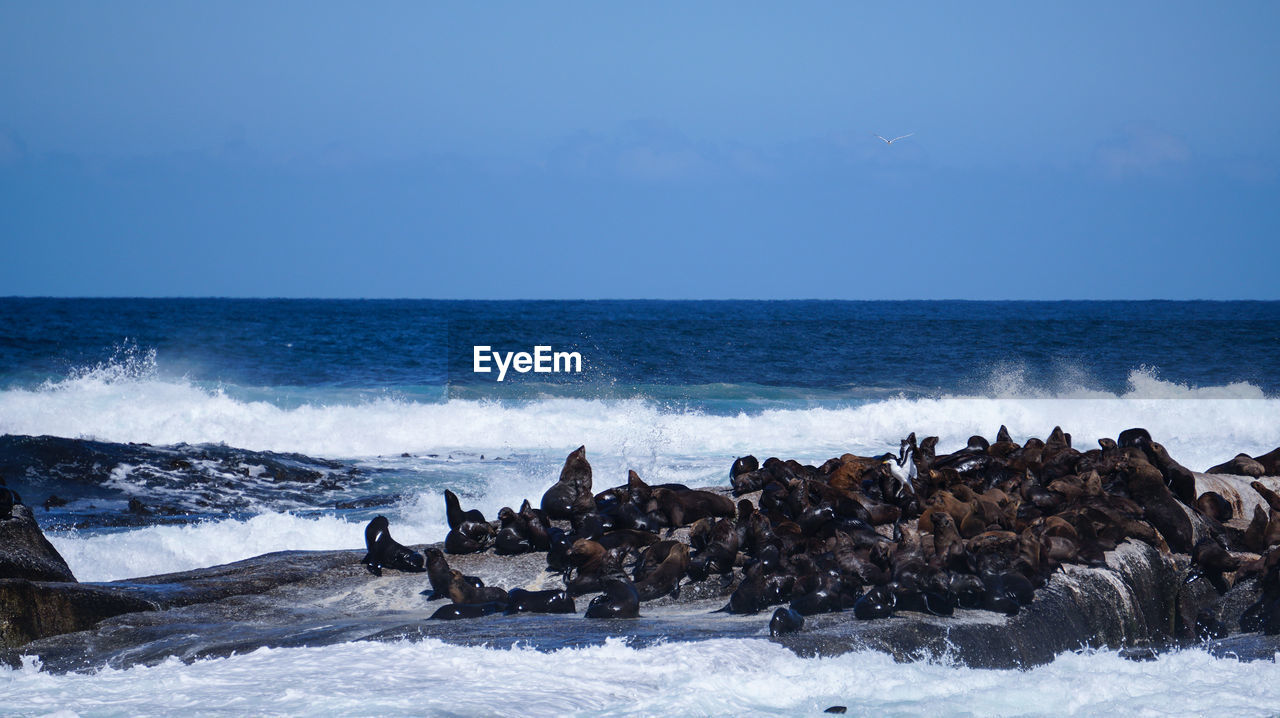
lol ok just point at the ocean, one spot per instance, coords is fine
(158, 435)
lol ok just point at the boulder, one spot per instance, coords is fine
(26, 553)
(30, 610)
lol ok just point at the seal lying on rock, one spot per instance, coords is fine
(619, 599)
(463, 589)
(382, 551)
(441, 576)
(1241, 465)
(785, 621)
(549, 601)
(455, 611)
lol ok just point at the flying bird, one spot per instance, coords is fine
(889, 142)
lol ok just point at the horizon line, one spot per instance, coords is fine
(604, 299)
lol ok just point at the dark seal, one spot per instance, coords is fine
(382, 551)
(549, 601)
(619, 600)
(784, 621)
(456, 611)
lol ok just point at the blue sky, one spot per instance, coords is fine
(668, 150)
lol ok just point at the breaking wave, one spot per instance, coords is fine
(717, 677)
(129, 402)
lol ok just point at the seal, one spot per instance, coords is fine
(382, 551)
(1255, 535)
(455, 515)
(593, 562)
(743, 465)
(1272, 499)
(1241, 465)
(1146, 486)
(665, 579)
(629, 539)
(876, 603)
(1212, 504)
(536, 523)
(652, 557)
(1264, 614)
(826, 597)
(455, 611)
(759, 589)
(1213, 560)
(1007, 592)
(513, 538)
(468, 531)
(441, 575)
(1270, 462)
(464, 590)
(619, 599)
(549, 601)
(469, 537)
(719, 553)
(681, 508)
(785, 621)
(571, 494)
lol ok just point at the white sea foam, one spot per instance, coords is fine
(1200, 425)
(720, 677)
(165, 549)
(127, 400)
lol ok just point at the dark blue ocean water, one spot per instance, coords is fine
(678, 350)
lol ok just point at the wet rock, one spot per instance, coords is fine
(26, 553)
(30, 610)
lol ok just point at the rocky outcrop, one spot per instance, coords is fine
(26, 553)
(320, 598)
(30, 610)
(38, 593)
(1138, 595)
(1129, 603)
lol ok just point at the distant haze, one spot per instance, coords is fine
(664, 150)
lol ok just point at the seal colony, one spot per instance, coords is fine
(982, 528)
(997, 555)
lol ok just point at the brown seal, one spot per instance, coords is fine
(571, 494)
(1241, 465)
(665, 578)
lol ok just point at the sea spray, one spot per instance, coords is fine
(715, 677)
(1200, 425)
